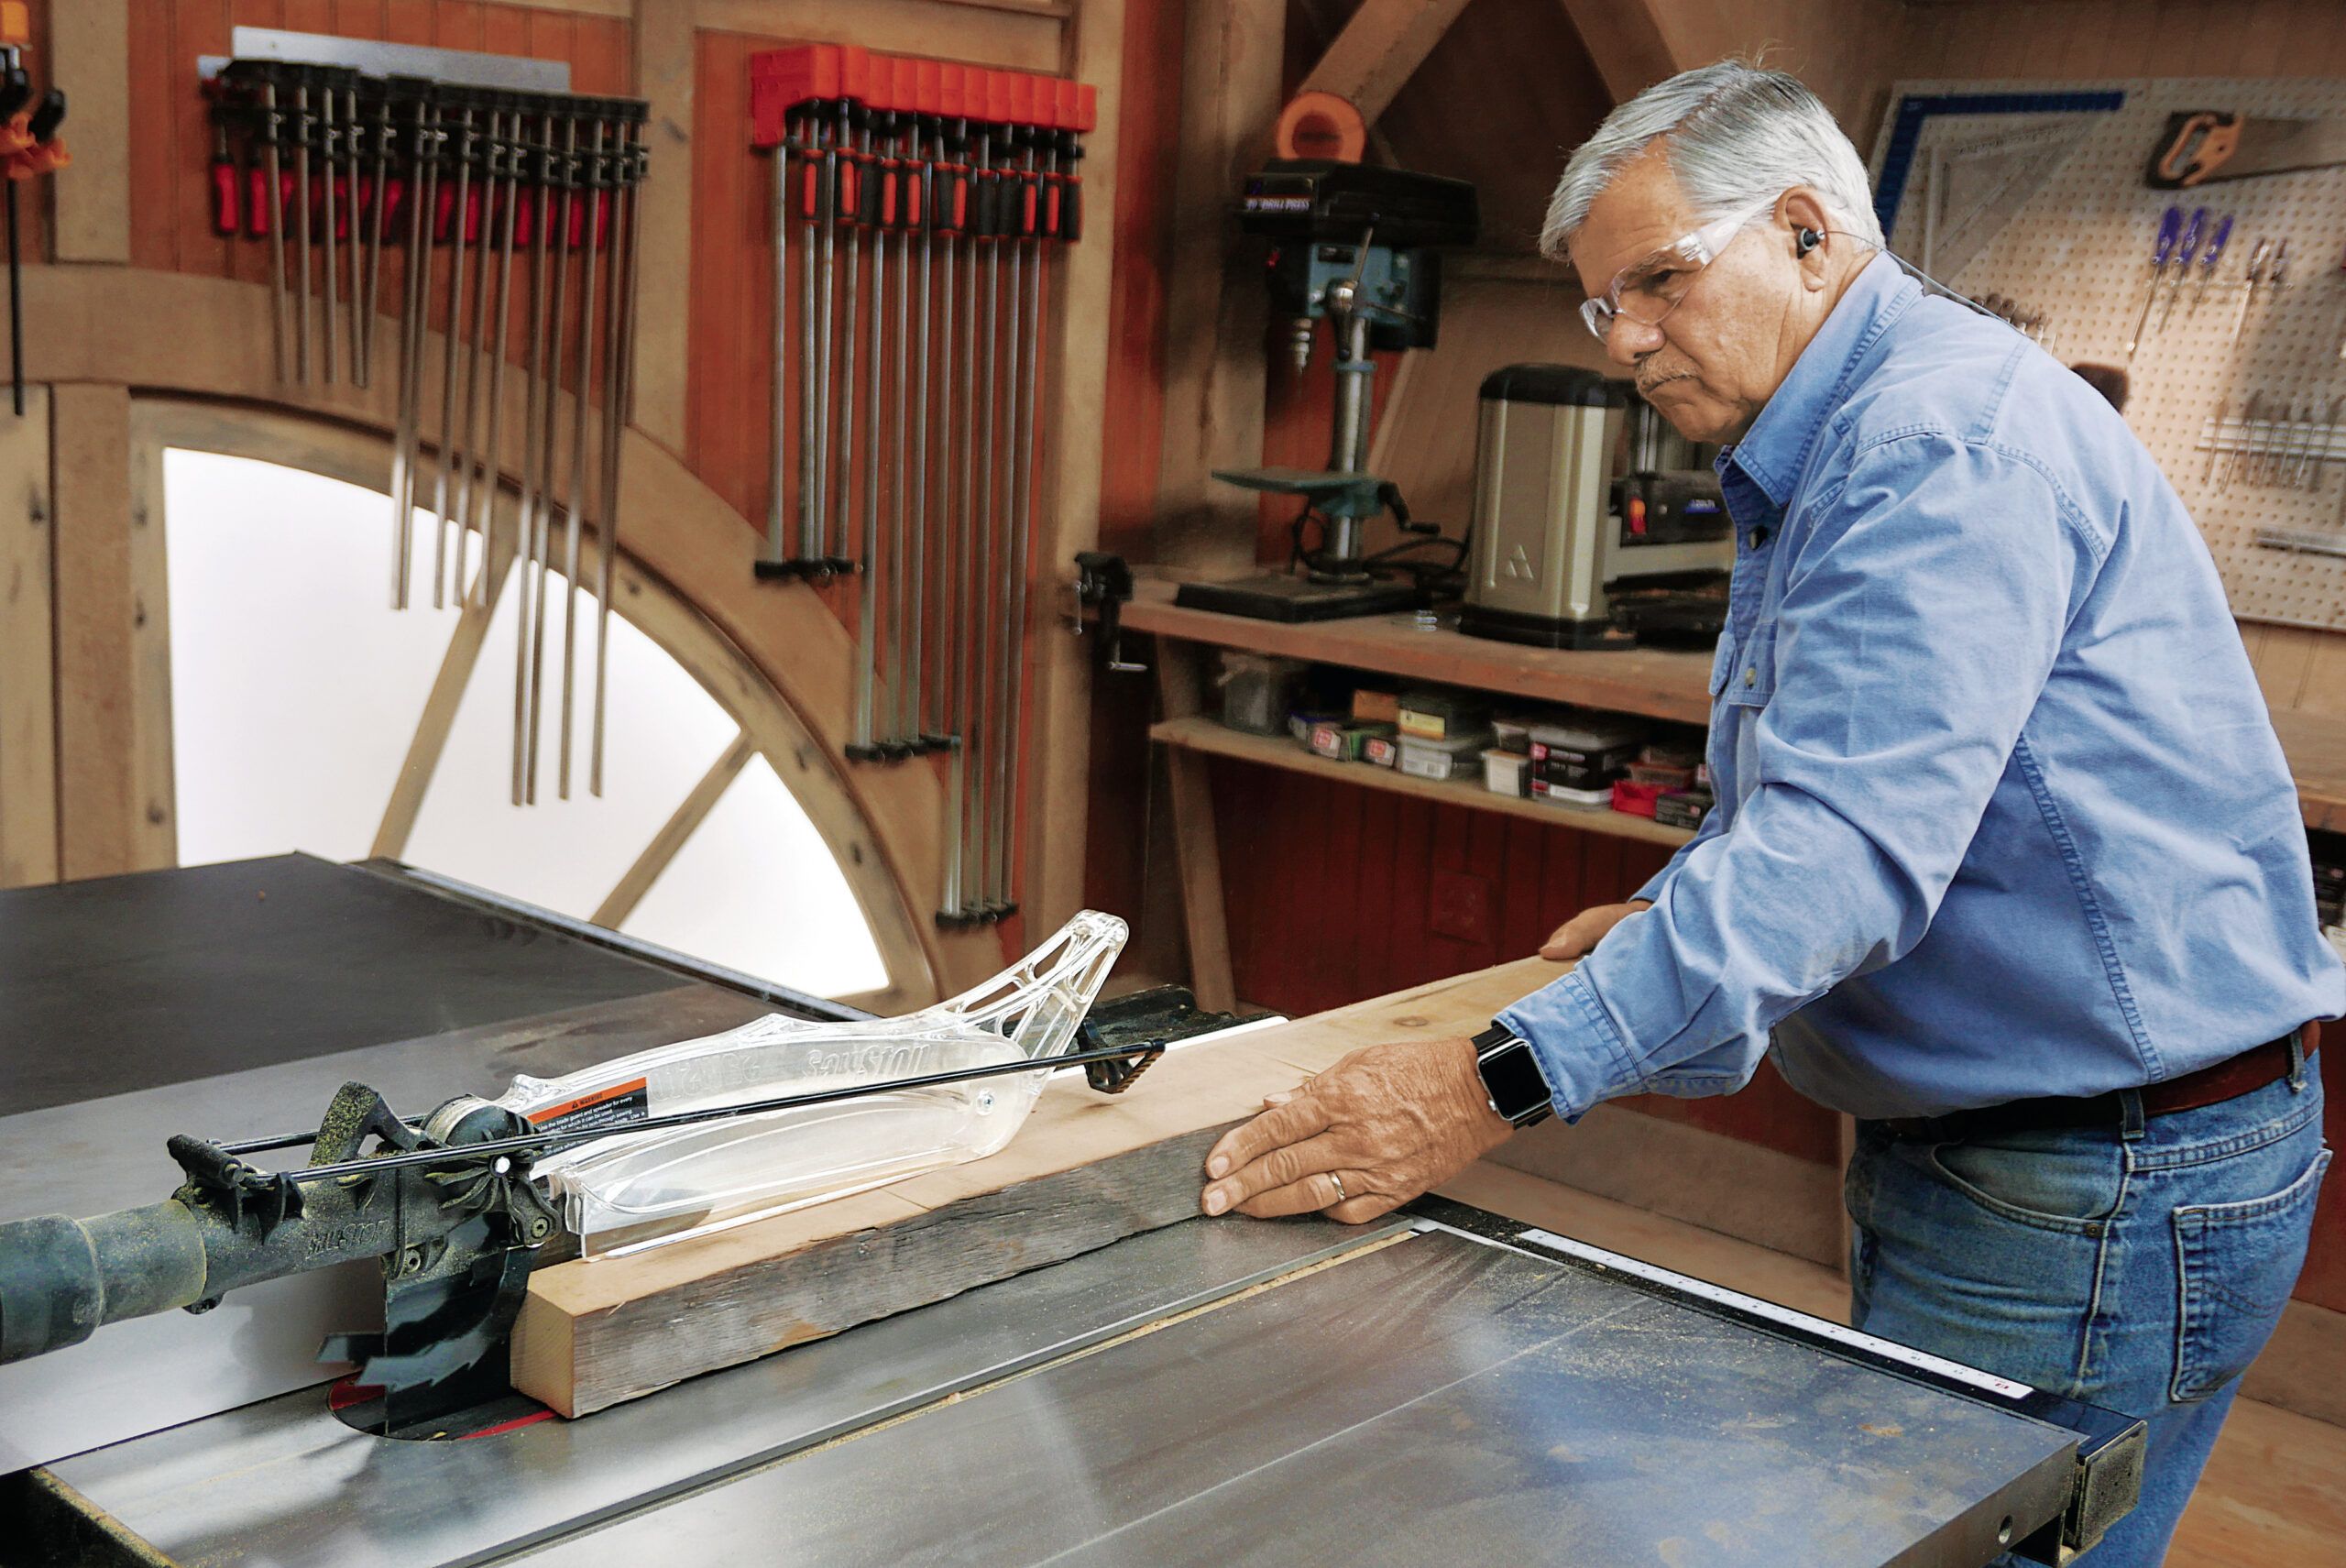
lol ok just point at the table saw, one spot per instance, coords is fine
(1445, 1384)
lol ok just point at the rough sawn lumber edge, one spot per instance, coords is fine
(1087, 1170)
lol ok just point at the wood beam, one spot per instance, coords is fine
(413, 780)
(1056, 786)
(689, 814)
(1197, 844)
(1085, 1170)
(663, 79)
(1624, 40)
(1215, 310)
(1379, 49)
(28, 654)
(97, 805)
(154, 782)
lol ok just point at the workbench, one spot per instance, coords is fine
(1649, 682)
(1442, 1383)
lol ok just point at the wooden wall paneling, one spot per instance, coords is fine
(2323, 690)
(317, 16)
(1148, 137)
(2177, 39)
(361, 19)
(1412, 851)
(505, 30)
(164, 180)
(730, 305)
(666, 77)
(1216, 310)
(2125, 37)
(88, 55)
(1197, 846)
(154, 788)
(150, 132)
(27, 656)
(97, 765)
(1015, 38)
(1523, 861)
(2280, 659)
(1055, 744)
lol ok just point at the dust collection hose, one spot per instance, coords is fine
(60, 1278)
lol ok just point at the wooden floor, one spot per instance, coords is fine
(2274, 1495)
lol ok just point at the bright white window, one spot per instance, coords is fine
(296, 691)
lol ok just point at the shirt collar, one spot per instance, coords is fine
(1776, 449)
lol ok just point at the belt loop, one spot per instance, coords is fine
(2130, 1112)
(2296, 1061)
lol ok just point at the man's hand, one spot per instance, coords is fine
(1360, 1139)
(1577, 936)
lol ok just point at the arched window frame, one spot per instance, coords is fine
(768, 726)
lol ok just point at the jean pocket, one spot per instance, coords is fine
(2037, 1180)
(2238, 1262)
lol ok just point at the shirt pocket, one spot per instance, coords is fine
(2238, 1262)
(1750, 670)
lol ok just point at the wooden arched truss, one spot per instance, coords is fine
(139, 361)
(765, 723)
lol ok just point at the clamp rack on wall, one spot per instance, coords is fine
(918, 209)
(515, 215)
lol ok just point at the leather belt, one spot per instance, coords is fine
(2228, 1079)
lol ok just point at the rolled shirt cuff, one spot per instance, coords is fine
(1580, 1052)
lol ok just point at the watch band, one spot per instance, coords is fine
(1511, 1077)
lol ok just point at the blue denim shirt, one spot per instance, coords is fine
(2000, 812)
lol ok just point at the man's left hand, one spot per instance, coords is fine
(1361, 1139)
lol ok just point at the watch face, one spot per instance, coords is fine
(1512, 1076)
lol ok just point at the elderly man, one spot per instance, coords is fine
(2006, 861)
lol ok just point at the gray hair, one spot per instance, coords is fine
(1739, 136)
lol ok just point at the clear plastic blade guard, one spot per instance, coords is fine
(623, 1193)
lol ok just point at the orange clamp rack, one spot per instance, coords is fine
(783, 80)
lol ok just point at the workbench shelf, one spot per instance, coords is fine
(1650, 683)
(1214, 738)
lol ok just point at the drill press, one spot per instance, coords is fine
(1353, 244)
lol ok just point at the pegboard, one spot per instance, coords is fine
(2056, 170)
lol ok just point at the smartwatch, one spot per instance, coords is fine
(1511, 1077)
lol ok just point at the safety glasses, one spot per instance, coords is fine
(1650, 290)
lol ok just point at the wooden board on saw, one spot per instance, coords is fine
(1086, 1171)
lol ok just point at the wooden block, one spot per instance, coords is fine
(1086, 1171)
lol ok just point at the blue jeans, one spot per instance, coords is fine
(2141, 1270)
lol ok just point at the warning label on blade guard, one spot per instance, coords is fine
(619, 1105)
